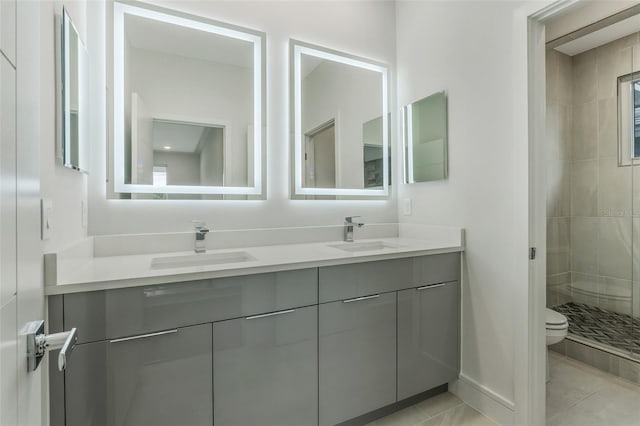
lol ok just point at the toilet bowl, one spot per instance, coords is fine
(557, 327)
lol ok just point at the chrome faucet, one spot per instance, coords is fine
(348, 228)
(201, 233)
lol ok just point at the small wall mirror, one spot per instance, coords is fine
(188, 106)
(340, 125)
(629, 119)
(73, 109)
(425, 139)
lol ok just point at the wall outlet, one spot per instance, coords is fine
(85, 214)
(406, 206)
(46, 211)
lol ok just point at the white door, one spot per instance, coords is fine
(21, 286)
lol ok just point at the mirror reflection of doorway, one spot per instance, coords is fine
(320, 156)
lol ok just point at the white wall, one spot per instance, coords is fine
(65, 187)
(183, 168)
(365, 29)
(467, 49)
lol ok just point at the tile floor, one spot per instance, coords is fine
(441, 410)
(580, 395)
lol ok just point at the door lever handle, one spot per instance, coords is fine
(39, 343)
(69, 338)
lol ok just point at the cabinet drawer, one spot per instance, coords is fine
(434, 269)
(124, 312)
(360, 279)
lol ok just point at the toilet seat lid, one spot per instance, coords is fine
(555, 318)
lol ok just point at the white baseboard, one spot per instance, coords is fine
(491, 404)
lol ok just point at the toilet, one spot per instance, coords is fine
(556, 326)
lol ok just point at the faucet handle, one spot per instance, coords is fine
(349, 219)
(199, 224)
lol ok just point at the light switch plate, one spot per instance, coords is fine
(46, 210)
(406, 206)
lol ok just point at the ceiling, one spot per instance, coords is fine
(180, 137)
(601, 37)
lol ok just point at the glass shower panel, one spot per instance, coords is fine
(631, 327)
(604, 203)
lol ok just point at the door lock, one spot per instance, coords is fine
(39, 343)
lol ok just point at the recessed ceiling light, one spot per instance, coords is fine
(166, 147)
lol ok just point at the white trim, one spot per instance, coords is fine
(529, 126)
(119, 10)
(483, 399)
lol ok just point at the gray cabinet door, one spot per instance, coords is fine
(164, 379)
(357, 357)
(84, 387)
(266, 369)
(428, 337)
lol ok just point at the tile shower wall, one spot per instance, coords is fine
(590, 198)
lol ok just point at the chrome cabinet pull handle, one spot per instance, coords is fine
(143, 336)
(358, 299)
(270, 314)
(425, 287)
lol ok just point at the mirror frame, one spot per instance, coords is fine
(257, 38)
(64, 25)
(297, 49)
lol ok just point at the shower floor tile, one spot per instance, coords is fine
(610, 328)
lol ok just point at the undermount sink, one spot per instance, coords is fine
(200, 259)
(364, 246)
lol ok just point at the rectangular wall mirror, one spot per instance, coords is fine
(189, 106)
(340, 120)
(73, 94)
(424, 125)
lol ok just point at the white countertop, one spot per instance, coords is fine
(71, 274)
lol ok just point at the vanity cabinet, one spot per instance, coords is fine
(428, 337)
(315, 346)
(357, 361)
(164, 378)
(266, 369)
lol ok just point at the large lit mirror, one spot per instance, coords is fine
(73, 93)
(188, 106)
(340, 125)
(629, 119)
(425, 139)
